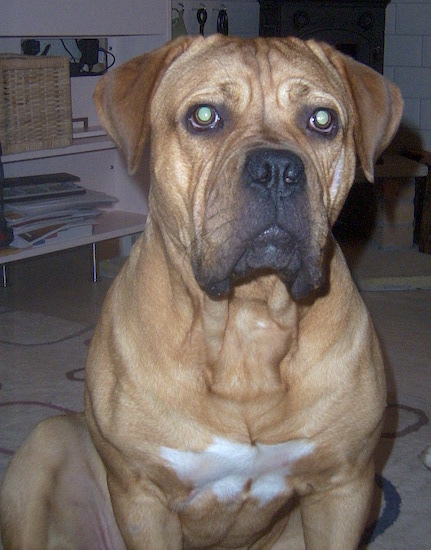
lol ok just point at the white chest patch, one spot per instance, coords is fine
(225, 467)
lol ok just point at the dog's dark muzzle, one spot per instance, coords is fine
(272, 227)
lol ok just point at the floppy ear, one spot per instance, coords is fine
(123, 98)
(377, 106)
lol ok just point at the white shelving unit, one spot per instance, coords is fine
(131, 27)
(113, 223)
(79, 145)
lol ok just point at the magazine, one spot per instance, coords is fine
(44, 220)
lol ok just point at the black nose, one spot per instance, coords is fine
(274, 171)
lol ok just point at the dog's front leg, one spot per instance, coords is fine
(145, 522)
(334, 520)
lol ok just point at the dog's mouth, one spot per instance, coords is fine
(274, 250)
(272, 221)
(271, 249)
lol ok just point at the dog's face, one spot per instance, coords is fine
(254, 147)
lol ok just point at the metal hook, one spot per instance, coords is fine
(223, 21)
(177, 10)
(202, 16)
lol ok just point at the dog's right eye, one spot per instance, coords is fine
(204, 117)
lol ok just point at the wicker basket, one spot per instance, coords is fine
(35, 110)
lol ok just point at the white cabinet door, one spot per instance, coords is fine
(83, 17)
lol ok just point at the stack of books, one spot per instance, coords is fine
(51, 208)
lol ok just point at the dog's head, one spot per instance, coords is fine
(253, 147)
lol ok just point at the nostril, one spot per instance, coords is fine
(290, 174)
(263, 173)
(260, 170)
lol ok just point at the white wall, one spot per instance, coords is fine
(408, 64)
(82, 17)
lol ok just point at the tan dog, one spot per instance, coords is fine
(234, 387)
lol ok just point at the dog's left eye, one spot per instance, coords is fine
(322, 120)
(204, 117)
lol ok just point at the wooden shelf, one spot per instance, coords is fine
(110, 225)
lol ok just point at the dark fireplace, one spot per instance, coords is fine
(355, 27)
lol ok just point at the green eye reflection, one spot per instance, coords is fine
(322, 120)
(204, 117)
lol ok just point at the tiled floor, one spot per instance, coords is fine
(58, 285)
(377, 269)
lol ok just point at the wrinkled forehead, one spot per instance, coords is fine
(238, 71)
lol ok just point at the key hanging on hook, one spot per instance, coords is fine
(202, 16)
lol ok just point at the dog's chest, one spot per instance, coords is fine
(228, 469)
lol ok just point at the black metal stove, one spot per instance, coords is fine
(355, 27)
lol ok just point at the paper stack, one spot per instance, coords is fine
(61, 216)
